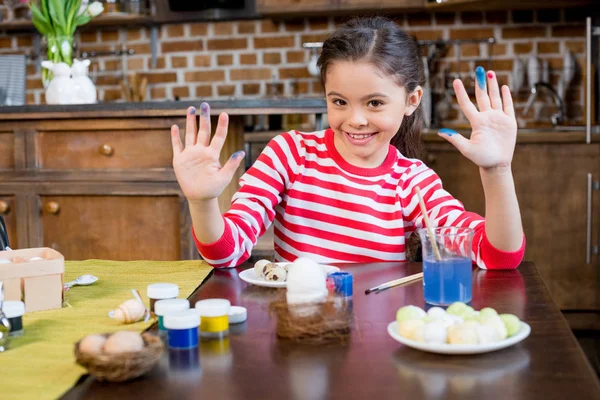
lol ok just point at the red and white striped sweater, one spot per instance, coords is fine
(331, 211)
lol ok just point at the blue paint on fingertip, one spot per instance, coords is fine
(237, 154)
(480, 75)
(447, 131)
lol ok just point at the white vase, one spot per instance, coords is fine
(70, 85)
(59, 90)
(83, 87)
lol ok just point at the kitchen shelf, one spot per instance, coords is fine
(116, 19)
(488, 5)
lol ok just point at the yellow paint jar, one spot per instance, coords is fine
(214, 317)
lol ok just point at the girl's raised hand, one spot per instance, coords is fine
(494, 125)
(196, 164)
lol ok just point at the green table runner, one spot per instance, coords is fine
(41, 364)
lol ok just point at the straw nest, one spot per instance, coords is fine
(123, 366)
(316, 323)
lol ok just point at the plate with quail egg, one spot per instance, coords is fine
(274, 274)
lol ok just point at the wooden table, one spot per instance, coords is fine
(253, 364)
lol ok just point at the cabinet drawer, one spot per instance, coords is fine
(7, 150)
(131, 149)
(143, 227)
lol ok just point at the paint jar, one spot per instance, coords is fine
(182, 329)
(214, 317)
(14, 310)
(161, 291)
(342, 283)
(167, 307)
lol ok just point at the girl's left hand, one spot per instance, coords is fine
(494, 134)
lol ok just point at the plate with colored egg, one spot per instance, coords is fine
(273, 274)
(458, 330)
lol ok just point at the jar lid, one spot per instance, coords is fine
(237, 314)
(213, 307)
(162, 291)
(182, 320)
(168, 306)
(13, 308)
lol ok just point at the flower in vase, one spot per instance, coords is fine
(57, 21)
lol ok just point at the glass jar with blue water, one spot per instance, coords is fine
(447, 265)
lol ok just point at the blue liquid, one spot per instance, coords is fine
(447, 281)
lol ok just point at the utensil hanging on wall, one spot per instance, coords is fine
(567, 75)
(518, 75)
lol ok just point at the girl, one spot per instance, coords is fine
(345, 194)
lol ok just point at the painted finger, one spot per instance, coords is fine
(494, 91)
(481, 95)
(190, 127)
(204, 132)
(456, 139)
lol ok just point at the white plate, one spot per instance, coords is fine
(249, 275)
(446, 348)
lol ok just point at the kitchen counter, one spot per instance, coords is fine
(164, 109)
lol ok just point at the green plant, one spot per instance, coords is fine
(57, 21)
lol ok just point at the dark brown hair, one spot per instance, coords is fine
(381, 42)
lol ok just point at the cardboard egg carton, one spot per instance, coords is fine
(39, 283)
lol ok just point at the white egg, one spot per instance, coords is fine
(306, 282)
(486, 334)
(435, 332)
(411, 328)
(259, 267)
(462, 334)
(92, 344)
(437, 312)
(497, 324)
(123, 342)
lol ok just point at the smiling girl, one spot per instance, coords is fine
(346, 194)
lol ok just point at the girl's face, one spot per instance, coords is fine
(365, 110)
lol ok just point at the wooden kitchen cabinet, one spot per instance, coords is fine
(551, 185)
(115, 226)
(97, 181)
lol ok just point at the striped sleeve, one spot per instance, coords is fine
(445, 210)
(253, 206)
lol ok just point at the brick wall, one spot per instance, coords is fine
(244, 59)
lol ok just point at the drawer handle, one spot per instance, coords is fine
(4, 207)
(106, 150)
(52, 207)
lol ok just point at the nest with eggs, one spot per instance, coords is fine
(315, 323)
(123, 362)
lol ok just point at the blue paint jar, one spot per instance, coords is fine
(166, 307)
(342, 283)
(182, 329)
(14, 310)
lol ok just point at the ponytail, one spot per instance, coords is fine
(408, 138)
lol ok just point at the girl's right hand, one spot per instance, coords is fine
(196, 165)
